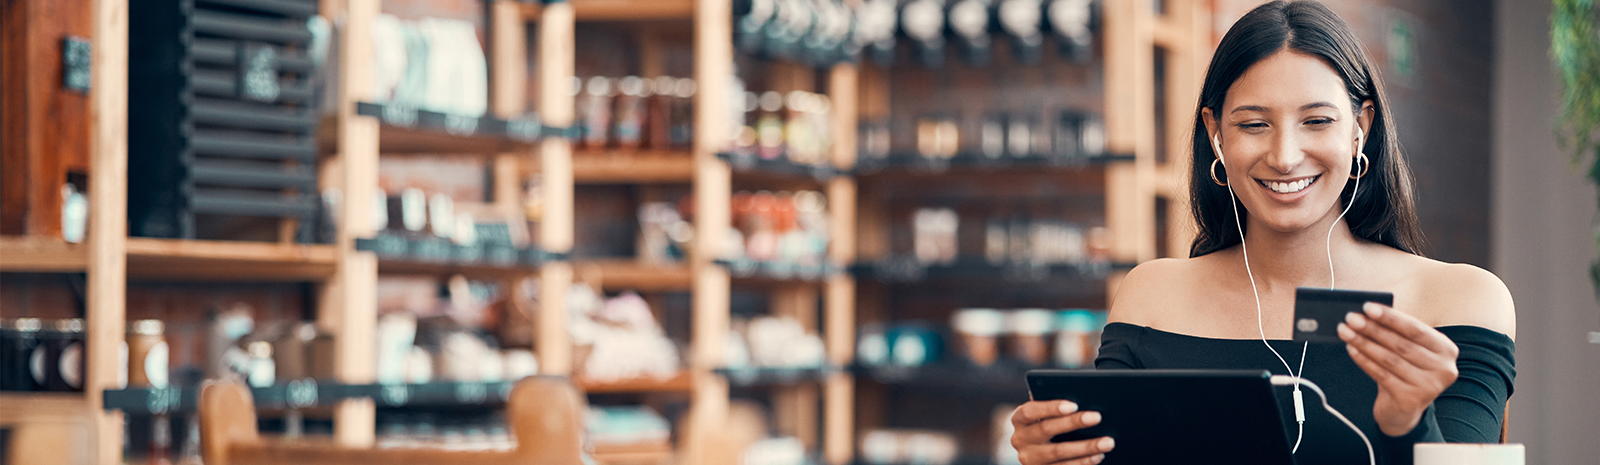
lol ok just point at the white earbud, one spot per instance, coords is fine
(1216, 146)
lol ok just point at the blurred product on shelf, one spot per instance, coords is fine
(454, 431)
(906, 446)
(1015, 239)
(664, 235)
(1021, 19)
(74, 213)
(42, 355)
(19, 337)
(872, 137)
(776, 451)
(938, 140)
(1000, 424)
(634, 113)
(934, 235)
(979, 331)
(430, 64)
(985, 336)
(816, 32)
(924, 22)
(1072, 22)
(787, 229)
(626, 425)
(875, 30)
(770, 125)
(1078, 337)
(1028, 332)
(618, 338)
(904, 344)
(969, 22)
(148, 356)
(227, 115)
(776, 342)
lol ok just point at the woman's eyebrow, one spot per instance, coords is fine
(1262, 109)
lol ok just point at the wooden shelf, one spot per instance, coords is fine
(681, 382)
(428, 132)
(641, 167)
(42, 407)
(193, 260)
(640, 453)
(620, 10)
(626, 274)
(37, 254)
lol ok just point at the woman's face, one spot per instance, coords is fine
(1288, 138)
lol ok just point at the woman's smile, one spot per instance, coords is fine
(1288, 186)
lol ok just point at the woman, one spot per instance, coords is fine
(1293, 123)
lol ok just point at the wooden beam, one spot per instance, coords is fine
(557, 52)
(349, 309)
(620, 10)
(839, 294)
(108, 225)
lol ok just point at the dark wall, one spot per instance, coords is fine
(1441, 103)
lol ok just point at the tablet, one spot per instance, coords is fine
(1174, 416)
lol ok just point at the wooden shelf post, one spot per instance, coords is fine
(108, 224)
(556, 58)
(349, 300)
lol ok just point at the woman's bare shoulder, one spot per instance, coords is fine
(1150, 288)
(1459, 294)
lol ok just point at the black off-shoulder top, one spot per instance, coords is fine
(1468, 411)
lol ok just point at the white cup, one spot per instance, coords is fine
(1468, 454)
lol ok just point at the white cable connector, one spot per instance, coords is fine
(1283, 380)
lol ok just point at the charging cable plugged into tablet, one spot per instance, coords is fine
(1300, 414)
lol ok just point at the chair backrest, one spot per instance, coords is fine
(545, 416)
(1505, 422)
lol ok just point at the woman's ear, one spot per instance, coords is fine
(1364, 122)
(1210, 121)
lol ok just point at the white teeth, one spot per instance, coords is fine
(1288, 187)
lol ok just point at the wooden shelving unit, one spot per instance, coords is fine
(35, 254)
(622, 10)
(680, 382)
(623, 274)
(353, 141)
(647, 167)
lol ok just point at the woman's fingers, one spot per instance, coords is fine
(1381, 357)
(1358, 329)
(1088, 451)
(1041, 432)
(1036, 411)
(1409, 328)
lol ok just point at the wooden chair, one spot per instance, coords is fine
(545, 416)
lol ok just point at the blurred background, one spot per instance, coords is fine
(751, 231)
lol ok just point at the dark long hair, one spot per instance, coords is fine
(1384, 213)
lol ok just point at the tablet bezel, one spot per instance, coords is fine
(1174, 416)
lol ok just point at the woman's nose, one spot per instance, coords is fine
(1285, 154)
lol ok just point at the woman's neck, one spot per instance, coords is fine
(1286, 260)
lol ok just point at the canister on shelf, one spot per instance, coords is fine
(979, 330)
(262, 370)
(1029, 331)
(1077, 342)
(18, 339)
(628, 111)
(64, 356)
(147, 354)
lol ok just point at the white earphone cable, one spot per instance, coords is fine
(1332, 282)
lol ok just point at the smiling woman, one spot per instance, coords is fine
(1298, 181)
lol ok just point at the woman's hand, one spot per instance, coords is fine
(1411, 362)
(1037, 421)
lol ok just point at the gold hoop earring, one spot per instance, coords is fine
(1214, 177)
(1365, 164)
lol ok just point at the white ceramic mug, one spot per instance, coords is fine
(1468, 454)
